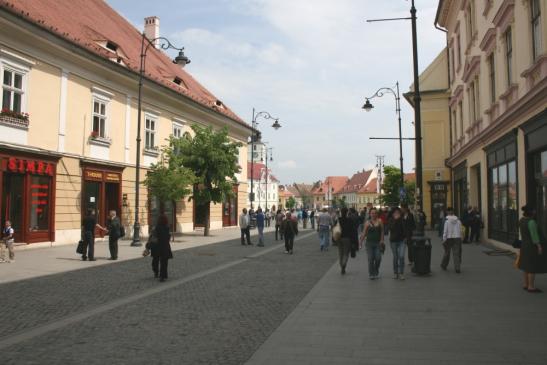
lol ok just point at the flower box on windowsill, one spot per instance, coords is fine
(14, 122)
(100, 141)
(152, 151)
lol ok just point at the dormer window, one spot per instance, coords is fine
(177, 80)
(111, 46)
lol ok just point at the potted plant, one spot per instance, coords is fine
(94, 134)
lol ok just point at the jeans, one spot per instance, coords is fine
(113, 247)
(260, 236)
(324, 236)
(245, 233)
(344, 247)
(398, 249)
(454, 245)
(374, 258)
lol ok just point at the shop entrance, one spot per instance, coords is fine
(12, 202)
(229, 210)
(102, 193)
(438, 200)
(539, 187)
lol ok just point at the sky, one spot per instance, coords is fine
(310, 63)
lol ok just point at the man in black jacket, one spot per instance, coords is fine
(409, 225)
(114, 233)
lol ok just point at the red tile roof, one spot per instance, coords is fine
(87, 23)
(357, 181)
(284, 192)
(371, 187)
(259, 171)
(410, 176)
(336, 183)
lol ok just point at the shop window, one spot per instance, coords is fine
(39, 203)
(536, 29)
(502, 191)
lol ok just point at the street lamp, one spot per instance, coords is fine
(182, 60)
(270, 149)
(254, 136)
(368, 107)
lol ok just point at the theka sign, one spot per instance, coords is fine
(30, 166)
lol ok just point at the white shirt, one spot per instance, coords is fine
(243, 220)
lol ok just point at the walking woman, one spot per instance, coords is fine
(348, 238)
(161, 249)
(397, 242)
(532, 256)
(373, 235)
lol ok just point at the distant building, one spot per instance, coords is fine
(350, 191)
(265, 187)
(284, 194)
(323, 192)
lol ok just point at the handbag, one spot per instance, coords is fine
(80, 247)
(152, 240)
(337, 232)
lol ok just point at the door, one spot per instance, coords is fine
(13, 203)
(229, 210)
(112, 198)
(438, 201)
(92, 200)
(540, 174)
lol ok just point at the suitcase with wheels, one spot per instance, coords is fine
(422, 255)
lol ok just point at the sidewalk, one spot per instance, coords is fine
(481, 316)
(32, 263)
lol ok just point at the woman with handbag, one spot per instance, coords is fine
(532, 256)
(373, 236)
(347, 239)
(158, 244)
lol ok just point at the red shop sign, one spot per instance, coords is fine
(30, 166)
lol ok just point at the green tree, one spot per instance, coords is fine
(391, 187)
(290, 203)
(213, 159)
(168, 180)
(339, 202)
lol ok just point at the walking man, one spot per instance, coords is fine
(88, 235)
(278, 221)
(114, 233)
(244, 222)
(324, 223)
(409, 225)
(452, 240)
(260, 220)
(290, 231)
(312, 218)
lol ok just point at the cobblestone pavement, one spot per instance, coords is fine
(221, 302)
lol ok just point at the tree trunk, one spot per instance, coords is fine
(207, 218)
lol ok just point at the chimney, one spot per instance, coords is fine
(152, 29)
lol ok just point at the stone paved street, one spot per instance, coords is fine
(229, 304)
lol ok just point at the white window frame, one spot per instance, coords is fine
(492, 76)
(153, 131)
(536, 28)
(508, 36)
(178, 130)
(19, 68)
(101, 96)
(100, 100)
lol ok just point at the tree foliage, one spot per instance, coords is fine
(290, 203)
(213, 159)
(391, 187)
(339, 202)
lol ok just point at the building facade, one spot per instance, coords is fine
(68, 125)
(497, 109)
(265, 187)
(350, 191)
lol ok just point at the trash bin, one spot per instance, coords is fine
(422, 255)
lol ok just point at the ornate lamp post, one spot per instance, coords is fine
(368, 107)
(268, 150)
(254, 137)
(182, 60)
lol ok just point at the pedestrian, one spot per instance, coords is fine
(113, 226)
(409, 225)
(384, 218)
(475, 225)
(278, 221)
(324, 224)
(8, 238)
(160, 248)
(304, 218)
(532, 259)
(89, 223)
(452, 240)
(397, 242)
(244, 225)
(290, 231)
(312, 219)
(442, 216)
(348, 238)
(362, 219)
(373, 235)
(260, 220)
(466, 221)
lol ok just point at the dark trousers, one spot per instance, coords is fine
(475, 233)
(289, 242)
(454, 245)
(466, 234)
(278, 232)
(410, 248)
(113, 247)
(89, 245)
(246, 233)
(159, 266)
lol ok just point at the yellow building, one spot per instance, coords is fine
(73, 67)
(498, 109)
(436, 136)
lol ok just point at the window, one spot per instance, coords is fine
(502, 191)
(492, 77)
(454, 125)
(474, 102)
(509, 56)
(536, 29)
(452, 65)
(460, 107)
(470, 19)
(150, 133)
(12, 90)
(99, 117)
(458, 44)
(177, 130)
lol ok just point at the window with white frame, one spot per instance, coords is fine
(509, 56)
(459, 48)
(492, 77)
(100, 117)
(460, 107)
(13, 89)
(177, 130)
(474, 102)
(470, 21)
(150, 132)
(536, 29)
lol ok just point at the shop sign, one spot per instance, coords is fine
(93, 175)
(30, 166)
(112, 177)
(101, 175)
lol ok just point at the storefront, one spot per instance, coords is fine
(229, 209)
(535, 132)
(460, 188)
(438, 192)
(27, 197)
(156, 208)
(501, 157)
(101, 191)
